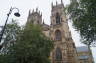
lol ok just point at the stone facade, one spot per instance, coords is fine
(64, 48)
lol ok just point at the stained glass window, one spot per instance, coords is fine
(58, 54)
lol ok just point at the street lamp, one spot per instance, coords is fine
(17, 14)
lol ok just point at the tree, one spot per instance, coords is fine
(31, 46)
(83, 15)
(10, 35)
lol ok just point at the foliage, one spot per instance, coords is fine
(83, 15)
(10, 35)
(31, 46)
(12, 30)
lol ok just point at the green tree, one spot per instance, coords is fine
(31, 46)
(83, 15)
(10, 35)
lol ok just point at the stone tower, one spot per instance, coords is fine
(35, 17)
(64, 47)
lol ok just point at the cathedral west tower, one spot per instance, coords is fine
(34, 17)
(64, 47)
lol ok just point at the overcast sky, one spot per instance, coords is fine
(43, 5)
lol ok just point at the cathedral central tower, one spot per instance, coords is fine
(34, 17)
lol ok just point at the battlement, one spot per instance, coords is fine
(34, 17)
(35, 13)
(57, 6)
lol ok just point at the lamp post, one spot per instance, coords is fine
(10, 11)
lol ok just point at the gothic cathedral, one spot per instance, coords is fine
(64, 48)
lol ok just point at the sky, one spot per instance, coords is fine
(43, 5)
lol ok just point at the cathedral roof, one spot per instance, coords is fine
(45, 27)
(82, 49)
(83, 57)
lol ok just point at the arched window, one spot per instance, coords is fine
(38, 22)
(58, 54)
(58, 35)
(57, 18)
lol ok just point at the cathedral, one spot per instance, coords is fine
(64, 50)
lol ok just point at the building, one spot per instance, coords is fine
(84, 55)
(64, 48)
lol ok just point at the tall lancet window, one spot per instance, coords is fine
(58, 54)
(57, 18)
(58, 35)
